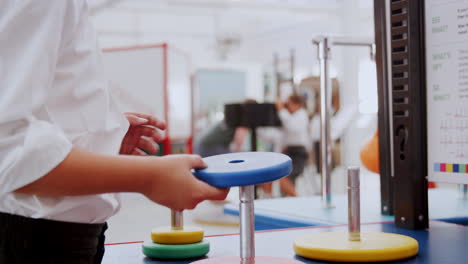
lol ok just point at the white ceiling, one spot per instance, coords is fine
(207, 28)
(205, 18)
(292, 5)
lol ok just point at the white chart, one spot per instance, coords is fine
(446, 29)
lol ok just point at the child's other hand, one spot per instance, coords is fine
(178, 189)
(142, 135)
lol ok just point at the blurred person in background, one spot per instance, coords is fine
(221, 139)
(296, 138)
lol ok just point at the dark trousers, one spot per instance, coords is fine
(38, 241)
(299, 156)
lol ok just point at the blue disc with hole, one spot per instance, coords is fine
(244, 168)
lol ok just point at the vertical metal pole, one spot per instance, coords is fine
(253, 147)
(253, 139)
(388, 51)
(247, 228)
(292, 61)
(177, 220)
(373, 52)
(354, 208)
(325, 104)
(277, 76)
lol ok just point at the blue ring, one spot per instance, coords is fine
(237, 176)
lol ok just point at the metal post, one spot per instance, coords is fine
(247, 228)
(253, 147)
(177, 220)
(292, 61)
(388, 52)
(325, 104)
(253, 139)
(324, 45)
(277, 75)
(354, 210)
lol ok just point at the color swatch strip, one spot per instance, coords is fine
(451, 167)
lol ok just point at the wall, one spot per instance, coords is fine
(358, 22)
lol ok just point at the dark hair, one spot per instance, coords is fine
(250, 101)
(297, 99)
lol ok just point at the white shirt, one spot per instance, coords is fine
(53, 95)
(338, 123)
(295, 127)
(272, 135)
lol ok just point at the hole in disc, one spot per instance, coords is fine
(236, 161)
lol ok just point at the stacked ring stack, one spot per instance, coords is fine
(176, 241)
(245, 170)
(354, 245)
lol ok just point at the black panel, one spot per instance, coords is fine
(386, 190)
(409, 115)
(233, 115)
(251, 115)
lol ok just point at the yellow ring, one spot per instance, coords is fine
(187, 235)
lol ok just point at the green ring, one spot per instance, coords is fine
(163, 251)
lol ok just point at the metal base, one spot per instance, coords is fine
(256, 260)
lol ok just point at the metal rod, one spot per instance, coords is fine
(253, 147)
(247, 228)
(325, 104)
(292, 61)
(356, 43)
(177, 220)
(324, 45)
(351, 41)
(277, 75)
(388, 54)
(370, 45)
(253, 139)
(373, 52)
(354, 207)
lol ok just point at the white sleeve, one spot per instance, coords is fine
(341, 121)
(30, 147)
(294, 123)
(285, 117)
(314, 128)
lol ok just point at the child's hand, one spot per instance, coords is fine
(279, 105)
(178, 189)
(142, 135)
